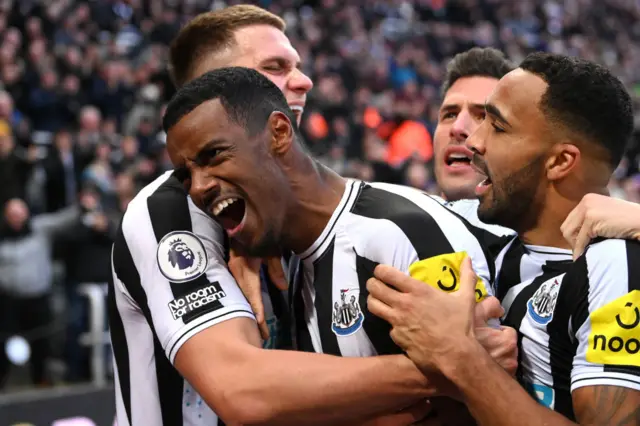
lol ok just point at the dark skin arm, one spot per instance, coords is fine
(496, 399)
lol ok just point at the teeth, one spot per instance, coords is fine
(458, 157)
(223, 205)
(296, 108)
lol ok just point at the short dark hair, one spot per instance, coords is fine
(247, 96)
(476, 62)
(211, 32)
(585, 98)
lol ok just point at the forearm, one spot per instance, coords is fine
(295, 388)
(493, 397)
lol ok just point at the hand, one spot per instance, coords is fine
(276, 273)
(501, 343)
(412, 415)
(600, 216)
(100, 222)
(430, 325)
(246, 272)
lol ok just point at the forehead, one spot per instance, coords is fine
(518, 94)
(254, 45)
(206, 123)
(471, 90)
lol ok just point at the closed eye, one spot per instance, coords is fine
(497, 128)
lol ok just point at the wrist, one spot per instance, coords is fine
(414, 378)
(462, 362)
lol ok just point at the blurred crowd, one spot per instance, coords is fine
(84, 83)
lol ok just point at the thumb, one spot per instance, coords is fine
(488, 308)
(468, 279)
(582, 240)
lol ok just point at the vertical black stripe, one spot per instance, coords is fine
(118, 336)
(170, 383)
(303, 337)
(323, 283)
(633, 264)
(510, 271)
(418, 225)
(169, 211)
(376, 328)
(562, 346)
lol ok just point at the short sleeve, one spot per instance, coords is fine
(170, 261)
(608, 337)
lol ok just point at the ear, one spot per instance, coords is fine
(282, 136)
(563, 160)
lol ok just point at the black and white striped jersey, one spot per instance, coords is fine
(578, 323)
(170, 281)
(373, 224)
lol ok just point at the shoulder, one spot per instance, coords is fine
(611, 263)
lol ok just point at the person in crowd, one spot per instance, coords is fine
(26, 278)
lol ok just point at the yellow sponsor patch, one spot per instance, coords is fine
(443, 272)
(615, 332)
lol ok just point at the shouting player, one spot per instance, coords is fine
(556, 128)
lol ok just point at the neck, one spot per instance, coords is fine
(557, 206)
(317, 193)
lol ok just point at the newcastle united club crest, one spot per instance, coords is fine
(543, 302)
(347, 316)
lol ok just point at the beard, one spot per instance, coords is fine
(511, 201)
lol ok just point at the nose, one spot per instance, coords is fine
(299, 82)
(203, 186)
(461, 128)
(475, 141)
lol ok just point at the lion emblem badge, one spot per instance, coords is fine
(181, 256)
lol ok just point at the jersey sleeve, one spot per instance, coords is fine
(607, 321)
(184, 285)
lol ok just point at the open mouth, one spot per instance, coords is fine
(297, 110)
(230, 212)
(458, 159)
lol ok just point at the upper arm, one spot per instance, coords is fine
(605, 379)
(183, 285)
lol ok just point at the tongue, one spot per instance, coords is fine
(232, 215)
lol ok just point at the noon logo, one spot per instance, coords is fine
(615, 332)
(443, 272)
(181, 256)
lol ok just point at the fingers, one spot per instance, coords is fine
(501, 344)
(382, 292)
(276, 273)
(264, 330)
(416, 413)
(582, 240)
(488, 308)
(468, 279)
(572, 224)
(379, 309)
(393, 277)
(247, 274)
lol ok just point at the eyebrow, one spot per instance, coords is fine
(452, 106)
(493, 111)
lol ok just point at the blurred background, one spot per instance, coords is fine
(83, 85)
